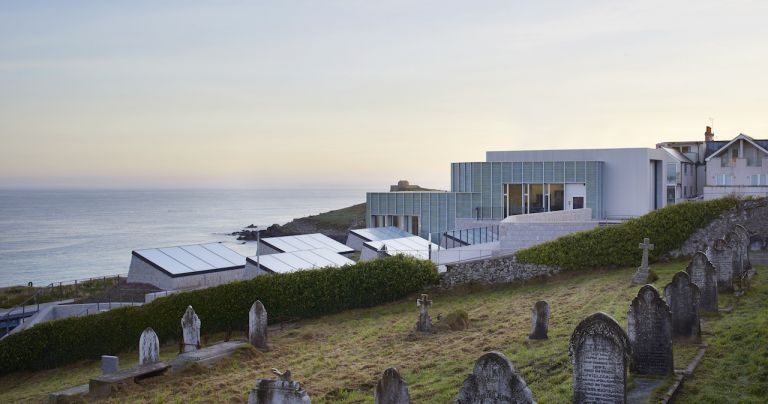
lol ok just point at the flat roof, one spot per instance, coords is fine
(306, 242)
(192, 259)
(380, 233)
(300, 260)
(413, 246)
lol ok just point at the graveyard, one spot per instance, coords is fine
(340, 357)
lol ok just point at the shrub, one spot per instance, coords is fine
(294, 295)
(617, 245)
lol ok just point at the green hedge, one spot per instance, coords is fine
(288, 296)
(617, 245)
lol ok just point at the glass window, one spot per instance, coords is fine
(671, 173)
(515, 198)
(670, 195)
(556, 197)
(536, 198)
(754, 157)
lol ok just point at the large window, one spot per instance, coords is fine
(723, 179)
(533, 198)
(754, 157)
(536, 198)
(729, 157)
(671, 173)
(757, 179)
(556, 197)
(670, 195)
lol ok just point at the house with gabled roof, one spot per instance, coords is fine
(736, 167)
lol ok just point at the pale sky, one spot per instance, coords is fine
(149, 94)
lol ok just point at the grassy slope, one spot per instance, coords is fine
(339, 357)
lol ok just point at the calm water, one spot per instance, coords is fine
(48, 236)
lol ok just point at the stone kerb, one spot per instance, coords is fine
(494, 380)
(649, 327)
(391, 389)
(703, 275)
(600, 351)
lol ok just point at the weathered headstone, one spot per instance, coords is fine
(733, 240)
(683, 298)
(600, 351)
(721, 256)
(281, 391)
(703, 275)
(539, 320)
(425, 322)
(257, 326)
(649, 326)
(745, 245)
(391, 389)
(149, 347)
(641, 276)
(190, 330)
(109, 364)
(494, 380)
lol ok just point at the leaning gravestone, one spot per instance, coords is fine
(703, 275)
(257, 326)
(190, 329)
(600, 351)
(649, 326)
(683, 299)
(745, 245)
(721, 256)
(281, 391)
(494, 380)
(149, 347)
(539, 320)
(391, 389)
(641, 276)
(425, 322)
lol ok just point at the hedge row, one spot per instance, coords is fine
(294, 295)
(617, 245)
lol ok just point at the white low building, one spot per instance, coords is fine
(357, 237)
(186, 267)
(302, 242)
(293, 261)
(413, 246)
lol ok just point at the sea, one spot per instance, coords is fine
(62, 235)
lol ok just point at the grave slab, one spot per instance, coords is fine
(207, 356)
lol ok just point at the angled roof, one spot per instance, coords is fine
(300, 260)
(414, 246)
(716, 147)
(380, 233)
(677, 155)
(191, 259)
(305, 242)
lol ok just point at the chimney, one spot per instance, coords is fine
(708, 135)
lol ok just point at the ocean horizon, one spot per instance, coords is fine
(57, 235)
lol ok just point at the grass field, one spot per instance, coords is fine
(338, 358)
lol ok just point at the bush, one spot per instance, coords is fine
(294, 295)
(617, 245)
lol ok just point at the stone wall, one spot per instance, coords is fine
(494, 271)
(752, 214)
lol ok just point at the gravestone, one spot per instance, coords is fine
(425, 322)
(641, 276)
(600, 351)
(539, 320)
(109, 364)
(683, 298)
(257, 326)
(149, 347)
(391, 389)
(190, 329)
(745, 243)
(494, 380)
(734, 242)
(703, 275)
(721, 256)
(281, 391)
(649, 327)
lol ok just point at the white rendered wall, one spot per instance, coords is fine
(252, 270)
(628, 183)
(142, 272)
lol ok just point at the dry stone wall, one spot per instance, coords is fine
(494, 271)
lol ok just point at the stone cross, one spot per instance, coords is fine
(494, 380)
(425, 322)
(149, 347)
(190, 328)
(539, 320)
(703, 275)
(257, 326)
(600, 352)
(683, 299)
(641, 276)
(649, 326)
(391, 389)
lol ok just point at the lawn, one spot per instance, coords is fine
(338, 358)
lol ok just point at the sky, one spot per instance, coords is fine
(359, 94)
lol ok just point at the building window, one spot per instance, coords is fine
(754, 157)
(757, 179)
(671, 195)
(671, 173)
(724, 179)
